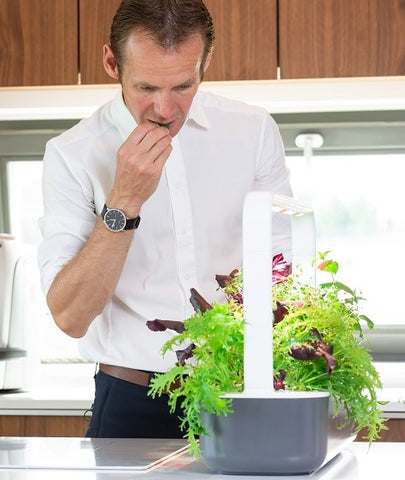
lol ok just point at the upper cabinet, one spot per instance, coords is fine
(246, 40)
(241, 26)
(38, 42)
(94, 27)
(341, 38)
(60, 42)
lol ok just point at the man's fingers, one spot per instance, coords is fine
(161, 158)
(156, 138)
(161, 147)
(146, 136)
(139, 133)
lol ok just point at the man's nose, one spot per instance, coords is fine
(165, 105)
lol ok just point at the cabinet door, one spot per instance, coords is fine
(341, 38)
(38, 42)
(42, 426)
(95, 22)
(246, 40)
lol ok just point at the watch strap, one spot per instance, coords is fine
(130, 224)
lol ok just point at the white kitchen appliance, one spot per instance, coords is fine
(14, 305)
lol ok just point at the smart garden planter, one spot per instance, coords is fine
(268, 432)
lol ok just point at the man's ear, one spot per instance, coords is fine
(110, 65)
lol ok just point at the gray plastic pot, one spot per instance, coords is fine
(291, 433)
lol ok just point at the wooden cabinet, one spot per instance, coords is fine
(94, 27)
(54, 42)
(76, 426)
(246, 40)
(46, 33)
(341, 38)
(38, 42)
(306, 39)
(43, 426)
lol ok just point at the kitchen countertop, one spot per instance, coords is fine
(69, 390)
(119, 459)
(74, 401)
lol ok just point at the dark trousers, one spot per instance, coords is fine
(124, 410)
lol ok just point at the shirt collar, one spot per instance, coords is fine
(126, 123)
(122, 117)
(197, 114)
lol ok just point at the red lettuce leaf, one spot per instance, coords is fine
(224, 280)
(281, 269)
(186, 353)
(162, 325)
(198, 301)
(315, 349)
(281, 309)
(278, 380)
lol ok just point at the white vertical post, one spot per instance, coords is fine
(257, 294)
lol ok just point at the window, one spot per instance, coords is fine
(358, 204)
(353, 183)
(357, 200)
(25, 208)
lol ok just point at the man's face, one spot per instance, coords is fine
(159, 85)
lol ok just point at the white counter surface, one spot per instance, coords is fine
(69, 390)
(66, 389)
(118, 459)
(46, 401)
(278, 96)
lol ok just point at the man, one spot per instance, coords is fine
(143, 201)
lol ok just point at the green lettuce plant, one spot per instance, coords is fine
(318, 345)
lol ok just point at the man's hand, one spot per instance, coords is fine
(140, 162)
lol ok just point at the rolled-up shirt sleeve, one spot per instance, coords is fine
(68, 218)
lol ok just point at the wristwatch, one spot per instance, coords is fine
(116, 221)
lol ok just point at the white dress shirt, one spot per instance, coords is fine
(190, 227)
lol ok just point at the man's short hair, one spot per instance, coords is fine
(169, 22)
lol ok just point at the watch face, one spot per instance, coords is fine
(115, 220)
